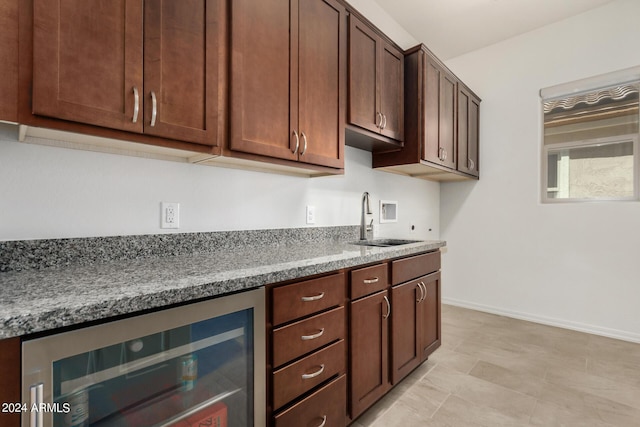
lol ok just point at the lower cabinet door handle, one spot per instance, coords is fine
(313, 298)
(388, 307)
(324, 421)
(370, 281)
(313, 336)
(313, 375)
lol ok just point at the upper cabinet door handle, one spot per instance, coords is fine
(379, 116)
(304, 139)
(154, 108)
(384, 125)
(136, 104)
(313, 298)
(295, 150)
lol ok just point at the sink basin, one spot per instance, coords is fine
(384, 242)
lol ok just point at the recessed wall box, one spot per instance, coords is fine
(388, 211)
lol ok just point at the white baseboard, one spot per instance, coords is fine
(561, 323)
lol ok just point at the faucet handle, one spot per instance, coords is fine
(370, 226)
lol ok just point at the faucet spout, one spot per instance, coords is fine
(366, 210)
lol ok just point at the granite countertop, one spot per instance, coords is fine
(41, 299)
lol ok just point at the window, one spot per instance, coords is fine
(590, 141)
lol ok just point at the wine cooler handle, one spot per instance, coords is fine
(37, 397)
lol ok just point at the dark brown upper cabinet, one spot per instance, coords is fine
(433, 122)
(288, 80)
(138, 66)
(440, 113)
(468, 131)
(9, 63)
(376, 88)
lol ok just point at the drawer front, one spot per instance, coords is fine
(326, 406)
(302, 299)
(369, 280)
(305, 336)
(403, 270)
(303, 375)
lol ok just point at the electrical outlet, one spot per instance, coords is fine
(170, 215)
(311, 214)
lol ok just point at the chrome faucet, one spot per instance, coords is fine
(366, 209)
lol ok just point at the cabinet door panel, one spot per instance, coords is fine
(368, 368)
(431, 124)
(364, 105)
(392, 88)
(181, 68)
(9, 64)
(448, 94)
(474, 136)
(322, 77)
(406, 352)
(463, 131)
(87, 58)
(260, 72)
(431, 337)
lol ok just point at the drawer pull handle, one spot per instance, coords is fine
(324, 421)
(312, 337)
(370, 281)
(313, 298)
(313, 375)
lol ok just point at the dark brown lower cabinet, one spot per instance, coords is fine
(415, 324)
(325, 407)
(369, 344)
(431, 337)
(10, 379)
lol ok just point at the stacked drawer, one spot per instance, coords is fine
(308, 352)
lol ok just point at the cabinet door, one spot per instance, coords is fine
(87, 62)
(431, 337)
(406, 350)
(468, 131)
(392, 91)
(261, 67)
(322, 46)
(369, 351)
(440, 115)
(364, 104)
(181, 59)
(10, 379)
(9, 63)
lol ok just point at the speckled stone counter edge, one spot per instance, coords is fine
(22, 255)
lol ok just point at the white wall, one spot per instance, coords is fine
(574, 265)
(50, 192)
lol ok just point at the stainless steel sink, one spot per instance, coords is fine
(384, 242)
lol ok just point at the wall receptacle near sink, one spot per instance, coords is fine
(388, 211)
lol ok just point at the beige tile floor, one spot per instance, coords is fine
(497, 371)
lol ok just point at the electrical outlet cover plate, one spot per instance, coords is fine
(311, 214)
(169, 215)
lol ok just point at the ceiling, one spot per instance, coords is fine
(453, 27)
